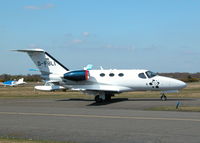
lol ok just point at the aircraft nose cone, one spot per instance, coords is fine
(181, 84)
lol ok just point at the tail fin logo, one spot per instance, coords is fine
(46, 63)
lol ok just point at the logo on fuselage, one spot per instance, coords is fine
(154, 83)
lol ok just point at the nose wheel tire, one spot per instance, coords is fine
(163, 97)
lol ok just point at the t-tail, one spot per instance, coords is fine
(21, 80)
(45, 62)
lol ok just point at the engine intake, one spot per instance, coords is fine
(78, 75)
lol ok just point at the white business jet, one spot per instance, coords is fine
(103, 84)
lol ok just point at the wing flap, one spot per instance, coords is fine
(109, 88)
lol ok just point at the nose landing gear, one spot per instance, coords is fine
(163, 97)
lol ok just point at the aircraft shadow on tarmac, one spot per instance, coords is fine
(115, 100)
(75, 99)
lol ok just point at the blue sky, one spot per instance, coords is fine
(160, 35)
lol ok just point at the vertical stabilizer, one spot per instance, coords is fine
(21, 80)
(45, 62)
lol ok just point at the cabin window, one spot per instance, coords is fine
(150, 74)
(102, 74)
(111, 74)
(120, 74)
(142, 75)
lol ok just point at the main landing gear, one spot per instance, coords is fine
(97, 99)
(163, 97)
(103, 97)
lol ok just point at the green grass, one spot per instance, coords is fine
(27, 91)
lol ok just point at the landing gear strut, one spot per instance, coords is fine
(163, 97)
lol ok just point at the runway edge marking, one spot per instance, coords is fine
(99, 116)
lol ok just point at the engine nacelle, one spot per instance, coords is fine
(79, 75)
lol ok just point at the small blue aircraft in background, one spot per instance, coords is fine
(14, 82)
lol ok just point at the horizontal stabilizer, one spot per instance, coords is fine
(29, 50)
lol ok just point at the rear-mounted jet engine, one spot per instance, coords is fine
(79, 75)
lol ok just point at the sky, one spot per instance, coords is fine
(158, 35)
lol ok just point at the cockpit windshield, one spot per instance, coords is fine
(151, 74)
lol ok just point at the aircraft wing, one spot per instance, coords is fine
(52, 81)
(108, 88)
(50, 85)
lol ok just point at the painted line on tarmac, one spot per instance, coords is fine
(100, 116)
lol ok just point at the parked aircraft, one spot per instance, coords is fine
(103, 84)
(14, 82)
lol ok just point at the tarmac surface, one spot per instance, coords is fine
(83, 121)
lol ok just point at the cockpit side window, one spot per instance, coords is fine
(142, 75)
(151, 74)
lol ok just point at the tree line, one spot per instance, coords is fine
(27, 78)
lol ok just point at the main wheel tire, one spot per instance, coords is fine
(97, 99)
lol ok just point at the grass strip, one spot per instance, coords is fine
(173, 108)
